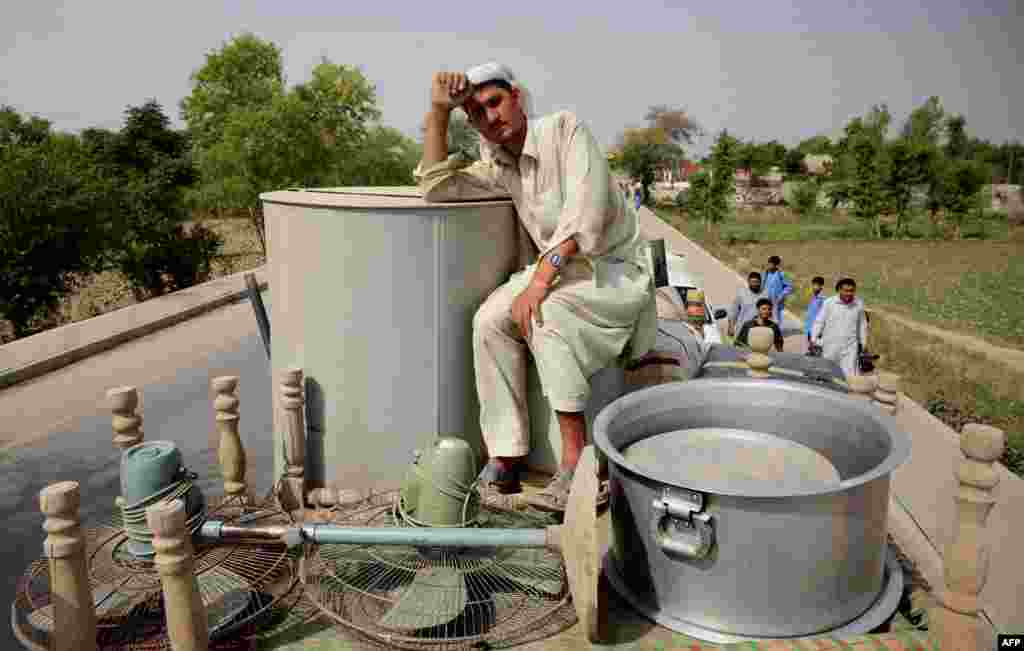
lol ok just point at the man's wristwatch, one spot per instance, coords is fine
(555, 260)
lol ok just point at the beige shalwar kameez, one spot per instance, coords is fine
(603, 301)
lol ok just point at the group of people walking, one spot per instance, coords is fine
(836, 326)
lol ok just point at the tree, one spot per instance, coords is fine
(866, 186)
(910, 163)
(676, 123)
(722, 189)
(17, 130)
(924, 125)
(858, 160)
(793, 163)
(963, 181)
(246, 73)
(758, 159)
(957, 143)
(816, 146)
(152, 168)
(54, 211)
(253, 136)
(385, 157)
(643, 151)
(710, 196)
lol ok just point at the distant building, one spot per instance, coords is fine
(817, 165)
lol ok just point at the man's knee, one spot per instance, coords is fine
(487, 320)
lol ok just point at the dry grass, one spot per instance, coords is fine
(109, 291)
(956, 385)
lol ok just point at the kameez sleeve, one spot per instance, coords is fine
(819, 321)
(588, 211)
(458, 179)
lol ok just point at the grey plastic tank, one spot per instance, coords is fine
(374, 292)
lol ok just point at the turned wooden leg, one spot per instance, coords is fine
(887, 394)
(127, 424)
(761, 341)
(187, 628)
(293, 486)
(955, 622)
(231, 454)
(70, 593)
(862, 386)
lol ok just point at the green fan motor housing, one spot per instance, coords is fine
(438, 486)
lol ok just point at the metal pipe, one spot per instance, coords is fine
(214, 531)
(261, 312)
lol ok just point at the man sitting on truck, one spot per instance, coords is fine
(584, 301)
(762, 320)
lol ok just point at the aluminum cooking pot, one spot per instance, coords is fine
(725, 560)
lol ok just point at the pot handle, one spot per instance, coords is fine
(679, 529)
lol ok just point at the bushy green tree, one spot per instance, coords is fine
(152, 167)
(909, 166)
(805, 197)
(386, 157)
(55, 211)
(723, 178)
(962, 182)
(251, 135)
(865, 185)
(711, 194)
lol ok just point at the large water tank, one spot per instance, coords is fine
(374, 291)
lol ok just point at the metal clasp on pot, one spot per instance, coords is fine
(678, 526)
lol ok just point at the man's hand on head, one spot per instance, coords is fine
(448, 90)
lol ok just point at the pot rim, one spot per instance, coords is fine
(898, 454)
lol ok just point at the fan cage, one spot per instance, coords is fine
(242, 586)
(504, 603)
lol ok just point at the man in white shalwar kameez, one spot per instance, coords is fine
(841, 327)
(588, 296)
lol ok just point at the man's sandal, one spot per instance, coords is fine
(555, 495)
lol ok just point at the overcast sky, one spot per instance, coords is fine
(761, 68)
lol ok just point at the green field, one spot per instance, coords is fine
(971, 286)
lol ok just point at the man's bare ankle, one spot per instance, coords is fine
(507, 463)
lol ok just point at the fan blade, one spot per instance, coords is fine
(436, 596)
(106, 597)
(536, 578)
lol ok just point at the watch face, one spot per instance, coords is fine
(556, 260)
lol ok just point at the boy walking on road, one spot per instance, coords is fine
(744, 308)
(817, 284)
(762, 320)
(777, 287)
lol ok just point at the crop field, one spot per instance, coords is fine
(973, 287)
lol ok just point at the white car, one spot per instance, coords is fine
(682, 280)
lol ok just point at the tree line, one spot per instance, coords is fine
(72, 205)
(930, 164)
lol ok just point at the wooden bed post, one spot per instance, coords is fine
(956, 623)
(231, 453)
(187, 628)
(293, 486)
(74, 614)
(123, 402)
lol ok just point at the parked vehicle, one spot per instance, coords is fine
(682, 281)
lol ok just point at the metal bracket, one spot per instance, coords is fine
(679, 526)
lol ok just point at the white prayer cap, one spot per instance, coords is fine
(494, 71)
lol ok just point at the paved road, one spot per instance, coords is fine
(57, 427)
(65, 417)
